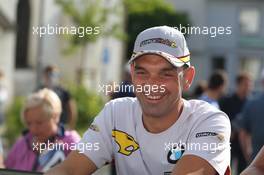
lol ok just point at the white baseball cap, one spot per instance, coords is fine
(165, 41)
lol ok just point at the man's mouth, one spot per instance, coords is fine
(153, 97)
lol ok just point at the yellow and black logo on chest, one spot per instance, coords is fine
(127, 144)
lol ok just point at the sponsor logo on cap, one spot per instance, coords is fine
(160, 41)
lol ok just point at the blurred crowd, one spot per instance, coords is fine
(49, 114)
(245, 112)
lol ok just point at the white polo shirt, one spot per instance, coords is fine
(118, 133)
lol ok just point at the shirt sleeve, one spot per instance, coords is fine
(209, 140)
(96, 143)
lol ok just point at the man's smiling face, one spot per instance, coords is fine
(152, 70)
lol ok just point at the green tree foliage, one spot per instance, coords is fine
(88, 106)
(142, 14)
(90, 14)
(14, 126)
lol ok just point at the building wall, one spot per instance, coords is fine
(6, 60)
(196, 42)
(7, 43)
(204, 48)
(53, 45)
(48, 50)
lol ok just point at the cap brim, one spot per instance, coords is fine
(175, 61)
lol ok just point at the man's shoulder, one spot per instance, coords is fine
(208, 117)
(202, 109)
(255, 102)
(123, 109)
(259, 98)
(197, 104)
(123, 102)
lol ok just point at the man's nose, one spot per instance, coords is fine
(153, 80)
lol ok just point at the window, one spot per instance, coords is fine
(249, 19)
(252, 65)
(23, 19)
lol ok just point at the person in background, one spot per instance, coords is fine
(33, 151)
(257, 166)
(250, 123)
(216, 88)
(69, 111)
(3, 97)
(200, 88)
(232, 106)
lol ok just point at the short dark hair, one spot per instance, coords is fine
(242, 76)
(50, 68)
(200, 88)
(217, 79)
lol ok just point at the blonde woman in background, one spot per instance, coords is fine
(39, 149)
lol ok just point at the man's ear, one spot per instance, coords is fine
(188, 77)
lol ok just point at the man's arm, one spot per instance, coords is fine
(245, 143)
(193, 165)
(257, 166)
(75, 164)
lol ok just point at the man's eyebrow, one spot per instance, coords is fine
(169, 69)
(138, 67)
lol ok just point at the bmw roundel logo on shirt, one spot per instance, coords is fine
(175, 154)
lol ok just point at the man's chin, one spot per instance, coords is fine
(153, 111)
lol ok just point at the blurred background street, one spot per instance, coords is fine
(89, 42)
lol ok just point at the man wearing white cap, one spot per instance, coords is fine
(158, 132)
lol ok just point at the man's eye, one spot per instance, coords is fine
(168, 74)
(140, 72)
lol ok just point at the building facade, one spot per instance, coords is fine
(238, 44)
(24, 53)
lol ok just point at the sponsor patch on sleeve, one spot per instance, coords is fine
(220, 136)
(205, 134)
(94, 127)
